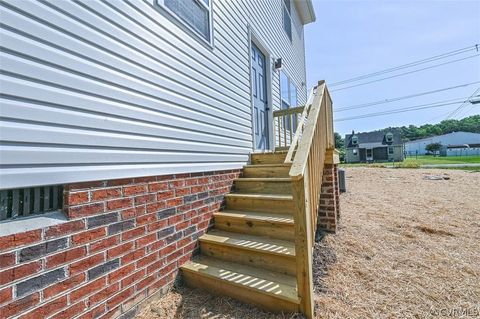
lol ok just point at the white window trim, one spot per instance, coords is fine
(354, 140)
(289, 84)
(291, 20)
(161, 3)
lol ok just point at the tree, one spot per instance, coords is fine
(412, 132)
(340, 145)
(339, 142)
(433, 148)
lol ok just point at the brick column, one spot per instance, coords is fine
(329, 209)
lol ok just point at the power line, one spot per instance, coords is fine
(363, 105)
(401, 110)
(430, 59)
(463, 105)
(405, 73)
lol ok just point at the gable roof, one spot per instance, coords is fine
(372, 139)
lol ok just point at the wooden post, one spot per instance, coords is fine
(303, 245)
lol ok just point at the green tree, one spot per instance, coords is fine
(339, 141)
(412, 132)
(340, 145)
(433, 148)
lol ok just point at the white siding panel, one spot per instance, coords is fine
(111, 89)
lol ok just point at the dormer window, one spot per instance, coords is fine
(355, 140)
(389, 137)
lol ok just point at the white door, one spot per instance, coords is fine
(260, 105)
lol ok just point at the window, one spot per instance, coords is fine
(287, 18)
(389, 137)
(354, 140)
(284, 90)
(288, 95)
(196, 14)
(288, 91)
(390, 150)
(355, 152)
(15, 203)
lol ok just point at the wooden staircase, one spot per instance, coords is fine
(250, 253)
(260, 249)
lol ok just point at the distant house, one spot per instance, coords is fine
(454, 144)
(375, 146)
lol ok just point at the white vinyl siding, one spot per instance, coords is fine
(95, 90)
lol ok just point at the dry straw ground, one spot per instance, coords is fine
(408, 247)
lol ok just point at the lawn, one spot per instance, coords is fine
(424, 160)
(415, 162)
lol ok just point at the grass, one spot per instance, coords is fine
(412, 162)
(424, 160)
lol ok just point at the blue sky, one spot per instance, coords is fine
(352, 38)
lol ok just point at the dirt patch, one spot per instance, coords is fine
(433, 231)
(408, 247)
(183, 303)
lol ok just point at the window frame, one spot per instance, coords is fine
(389, 137)
(354, 140)
(289, 12)
(178, 20)
(392, 149)
(290, 83)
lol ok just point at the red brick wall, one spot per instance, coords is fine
(329, 209)
(124, 241)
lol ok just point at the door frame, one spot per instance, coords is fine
(254, 38)
(366, 152)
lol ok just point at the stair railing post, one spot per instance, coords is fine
(303, 244)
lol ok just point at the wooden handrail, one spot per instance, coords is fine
(300, 127)
(293, 110)
(313, 137)
(285, 122)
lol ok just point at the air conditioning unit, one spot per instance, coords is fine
(341, 180)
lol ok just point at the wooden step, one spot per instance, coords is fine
(262, 185)
(266, 170)
(269, 290)
(268, 158)
(256, 223)
(278, 203)
(263, 252)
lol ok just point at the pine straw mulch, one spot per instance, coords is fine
(407, 247)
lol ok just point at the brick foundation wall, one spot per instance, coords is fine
(124, 242)
(329, 209)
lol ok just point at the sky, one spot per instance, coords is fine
(353, 38)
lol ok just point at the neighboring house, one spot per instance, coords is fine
(123, 126)
(378, 146)
(453, 144)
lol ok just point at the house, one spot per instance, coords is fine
(377, 146)
(453, 144)
(125, 128)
